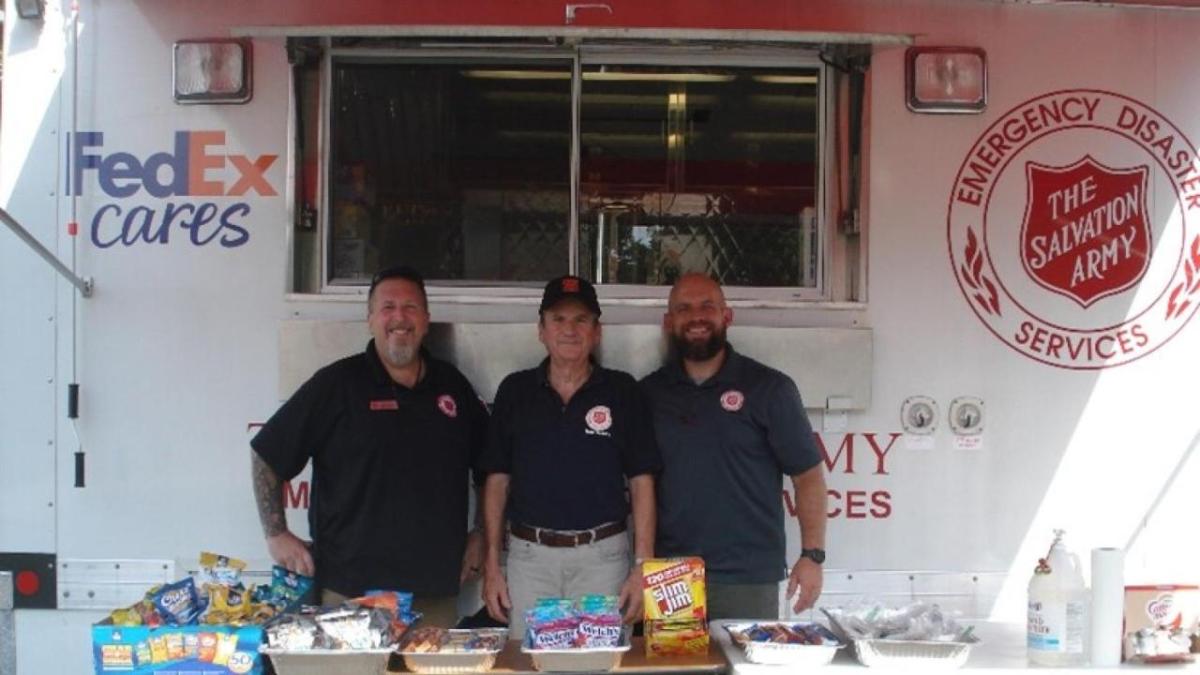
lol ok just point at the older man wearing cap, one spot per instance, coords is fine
(392, 433)
(565, 440)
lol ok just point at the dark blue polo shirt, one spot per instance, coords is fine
(390, 472)
(568, 463)
(726, 445)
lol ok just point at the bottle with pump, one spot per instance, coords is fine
(1058, 601)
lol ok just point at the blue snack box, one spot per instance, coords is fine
(175, 650)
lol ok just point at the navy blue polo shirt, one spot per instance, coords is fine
(390, 476)
(568, 463)
(726, 444)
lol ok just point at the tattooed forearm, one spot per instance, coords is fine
(268, 494)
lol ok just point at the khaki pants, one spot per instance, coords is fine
(537, 571)
(441, 612)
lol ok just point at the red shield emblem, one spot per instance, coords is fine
(599, 418)
(1086, 233)
(447, 405)
(733, 400)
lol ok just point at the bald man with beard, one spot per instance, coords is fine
(729, 429)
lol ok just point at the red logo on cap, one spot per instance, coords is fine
(447, 405)
(570, 285)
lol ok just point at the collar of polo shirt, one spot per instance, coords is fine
(730, 372)
(381, 376)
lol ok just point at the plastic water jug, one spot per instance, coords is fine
(1058, 601)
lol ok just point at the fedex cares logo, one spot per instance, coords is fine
(197, 180)
(1073, 229)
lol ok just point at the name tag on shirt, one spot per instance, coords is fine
(385, 404)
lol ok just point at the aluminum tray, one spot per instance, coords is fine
(323, 661)
(580, 659)
(453, 663)
(778, 654)
(913, 653)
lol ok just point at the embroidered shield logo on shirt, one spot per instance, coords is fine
(733, 400)
(599, 418)
(447, 405)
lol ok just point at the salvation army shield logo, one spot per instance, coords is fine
(733, 400)
(1085, 234)
(447, 405)
(1073, 229)
(599, 418)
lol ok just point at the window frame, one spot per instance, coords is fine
(581, 54)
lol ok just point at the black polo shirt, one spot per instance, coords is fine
(390, 476)
(726, 444)
(568, 463)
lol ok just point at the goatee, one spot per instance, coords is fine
(399, 356)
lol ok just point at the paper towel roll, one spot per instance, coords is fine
(1108, 606)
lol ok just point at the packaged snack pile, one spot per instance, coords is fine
(216, 596)
(208, 624)
(785, 634)
(675, 605)
(914, 622)
(433, 640)
(558, 623)
(1160, 622)
(375, 621)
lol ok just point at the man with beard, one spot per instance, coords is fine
(565, 440)
(392, 433)
(728, 429)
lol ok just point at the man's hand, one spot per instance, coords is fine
(495, 593)
(290, 551)
(630, 598)
(472, 563)
(806, 577)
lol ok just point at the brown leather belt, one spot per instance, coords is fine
(560, 539)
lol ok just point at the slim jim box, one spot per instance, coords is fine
(174, 650)
(675, 604)
(673, 589)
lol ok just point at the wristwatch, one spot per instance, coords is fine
(816, 555)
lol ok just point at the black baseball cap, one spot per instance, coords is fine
(570, 287)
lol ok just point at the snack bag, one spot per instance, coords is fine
(216, 569)
(125, 617)
(398, 606)
(676, 638)
(142, 651)
(191, 646)
(600, 622)
(226, 604)
(174, 646)
(287, 588)
(208, 647)
(673, 589)
(551, 624)
(178, 603)
(158, 649)
(226, 646)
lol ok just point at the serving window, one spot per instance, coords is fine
(492, 170)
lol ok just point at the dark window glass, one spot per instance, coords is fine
(459, 169)
(699, 169)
